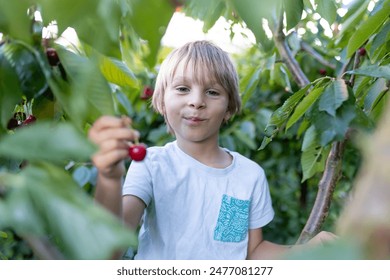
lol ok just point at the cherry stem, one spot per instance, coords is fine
(127, 122)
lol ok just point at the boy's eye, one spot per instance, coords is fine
(182, 89)
(212, 93)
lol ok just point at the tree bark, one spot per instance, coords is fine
(287, 56)
(326, 186)
(309, 49)
(332, 169)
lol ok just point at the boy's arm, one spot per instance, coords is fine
(112, 136)
(258, 248)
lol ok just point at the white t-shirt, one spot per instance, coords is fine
(195, 211)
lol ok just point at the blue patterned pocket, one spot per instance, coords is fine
(232, 224)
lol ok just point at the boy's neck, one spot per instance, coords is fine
(209, 154)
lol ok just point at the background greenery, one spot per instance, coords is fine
(303, 90)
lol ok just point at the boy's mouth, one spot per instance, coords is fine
(194, 119)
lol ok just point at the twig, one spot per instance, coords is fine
(42, 247)
(317, 56)
(356, 63)
(286, 54)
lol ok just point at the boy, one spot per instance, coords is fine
(197, 200)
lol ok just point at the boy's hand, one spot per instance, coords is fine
(112, 135)
(322, 238)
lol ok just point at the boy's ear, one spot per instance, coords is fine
(227, 116)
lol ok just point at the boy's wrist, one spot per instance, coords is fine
(105, 180)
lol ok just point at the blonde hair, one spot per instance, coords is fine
(206, 59)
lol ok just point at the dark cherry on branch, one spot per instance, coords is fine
(322, 71)
(52, 56)
(137, 152)
(30, 119)
(362, 51)
(147, 92)
(12, 124)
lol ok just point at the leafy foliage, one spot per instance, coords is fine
(45, 174)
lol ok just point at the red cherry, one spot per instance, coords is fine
(137, 152)
(52, 56)
(12, 124)
(147, 92)
(30, 119)
(322, 71)
(362, 51)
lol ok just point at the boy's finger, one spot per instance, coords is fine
(105, 122)
(113, 144)
(125, 134)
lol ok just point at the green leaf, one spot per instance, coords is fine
(339, 249)
(282, 77)
(374, 94)
(124, 105)
(333, 97)
(248, 127)
(367, 28)
(10, 91)
(82, 175)
(245, 138)
(207, 11)
(249, 83)
(48, 141)
(334, 128)
(283, 113)
(360, 89)
(3, 234)
(116, 72)
(150, 23)
(44, 200)
(379, 106)
(293, 9)
(327, 9)
(380, 39)
(89, 94)
(96, 21)
(313, 154)
(280, 116)
(304, 105)
(14, 20)
(253, 12)
(30, 75)
(18, 210)
(373, 71)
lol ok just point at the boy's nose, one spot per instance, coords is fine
(196, 100)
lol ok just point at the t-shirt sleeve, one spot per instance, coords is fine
(261, 211)
(138, 181)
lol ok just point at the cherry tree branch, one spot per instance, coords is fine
(330, 177)
(326, 186)
(43, 248)
(332, 169)
(287, 56)
(317, 56)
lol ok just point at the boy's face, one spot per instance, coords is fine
(195, 105)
